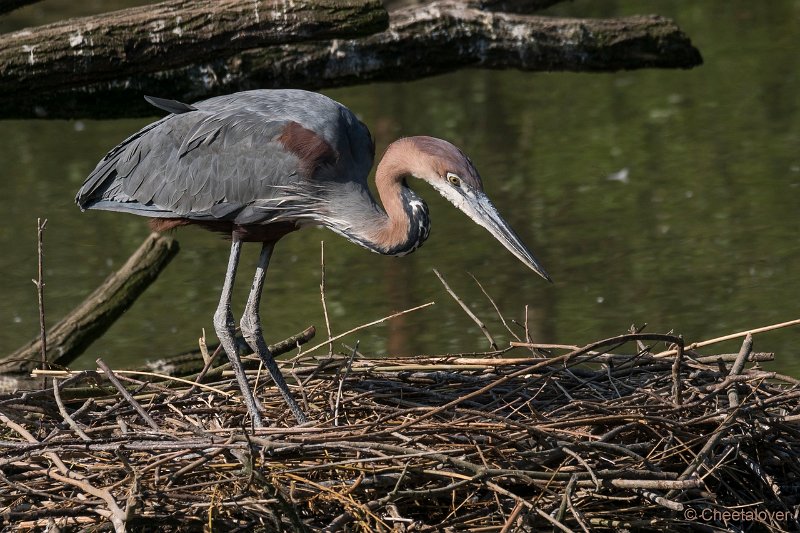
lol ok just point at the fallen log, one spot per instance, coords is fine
(87, 322)
(153, 38)
(440, 37)
(508, 6)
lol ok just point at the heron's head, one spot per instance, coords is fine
(448, 170)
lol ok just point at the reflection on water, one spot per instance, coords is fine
(666, 197)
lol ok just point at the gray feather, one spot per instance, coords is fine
(221, 159)
(170, 106)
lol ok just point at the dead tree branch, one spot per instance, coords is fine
(87, 322)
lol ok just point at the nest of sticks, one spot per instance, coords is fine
(612, 436)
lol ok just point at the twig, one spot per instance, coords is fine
(660, 500)
(341, 382)
(359, 328)
(677, 385)
(203, 345)
(130, 399)
(527, 327)
(496, 308)
(584, 464)
(515, 512)
(478, 321)
(69, 373)
(575, 513)
(39, 282)
(738, 335)
(322, 293)
(63, 410)
(736, 369)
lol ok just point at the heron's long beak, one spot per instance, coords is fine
(483, 212)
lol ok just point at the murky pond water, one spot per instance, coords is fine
(666, 197)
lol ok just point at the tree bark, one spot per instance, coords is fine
(170, 34)
(87, 322)
(440, 37)
(508, 6)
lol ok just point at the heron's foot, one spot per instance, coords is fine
(225, 328)
(251, 329)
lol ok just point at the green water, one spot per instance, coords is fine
(701, 238)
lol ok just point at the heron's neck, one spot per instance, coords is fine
(403, 224)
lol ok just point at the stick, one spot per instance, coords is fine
(359, 328)
(139, 409)
(341, 383)
(677, 385)
(63, 410)
(738, 335)
(322, 292)
(481, 325)
(39, 282)
(496, 308)
(736, 369)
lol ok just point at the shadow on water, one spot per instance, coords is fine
(666, 197)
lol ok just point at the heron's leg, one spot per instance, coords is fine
(251, 329)
(225, 327)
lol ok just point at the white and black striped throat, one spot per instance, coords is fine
(418, 227)
(419, 223)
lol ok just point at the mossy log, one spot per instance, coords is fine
(439, 37)
(89, 320)
(157, 37)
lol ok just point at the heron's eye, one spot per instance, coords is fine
(452, 178)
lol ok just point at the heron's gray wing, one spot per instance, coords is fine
(198, 164)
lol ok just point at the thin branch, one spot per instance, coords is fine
(359, 328)
(468, 311)
(739, 335)
(341, 383)
(63, 410)
(322, 292)
(127, 395)
(39, 282)
(496, 308)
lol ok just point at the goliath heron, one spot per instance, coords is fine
(257, 165)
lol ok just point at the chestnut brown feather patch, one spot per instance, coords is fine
(312, 150)
(165, 224)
